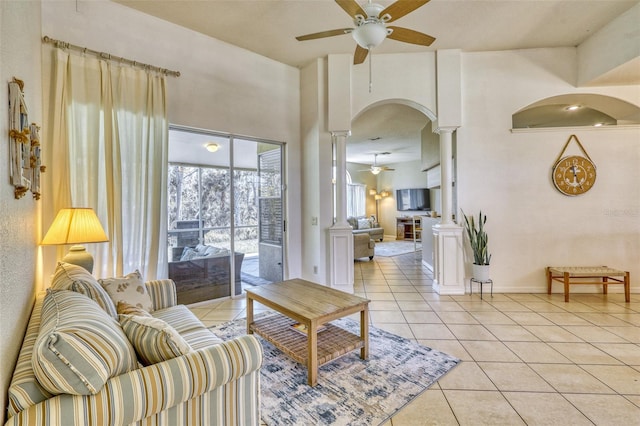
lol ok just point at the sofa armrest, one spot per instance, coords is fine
(163, 293)
(147, 391)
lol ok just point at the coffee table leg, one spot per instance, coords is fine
(249, 314)
(364, 332)
(312, 360)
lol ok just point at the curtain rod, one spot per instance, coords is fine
(64, 45)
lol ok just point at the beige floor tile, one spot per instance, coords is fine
(457, 317)
(422, 317)
(224, 314)
(440, 306)
(430, 408)
(380, 317)
(431, 331)
(593, 334)
(548, 333)
(408, 296)
(606, 409)
(630, 334)
(377, 288)
(452, 347)
(383, 305)
(628, 318)
(584, 353)
(546, 409)
(537, 352)
(400, 329)
(511, 333)
(471, 332)
(379, 296)
(628, 353)
(516, 376)
(564, 318)
(542, 307)
(510, 306)
(411, 305)
(570, 378)
(472, 306)
(492, 318)
(489, 351)
(602, 319)
(466, 376)
(401, 287)
(621, 378)
(528, 318)
(475, 408)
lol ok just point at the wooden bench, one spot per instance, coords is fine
(585, 275)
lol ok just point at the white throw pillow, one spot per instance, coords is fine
(129, 289)
(364, 224)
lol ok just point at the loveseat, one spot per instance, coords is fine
(365, 225)
(202, 272)
(363, 246)
(86, 360)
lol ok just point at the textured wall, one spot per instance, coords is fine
(20, 52)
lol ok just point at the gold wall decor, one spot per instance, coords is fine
(24, 140)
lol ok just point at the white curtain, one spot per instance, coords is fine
(110, 153)
(356, 199)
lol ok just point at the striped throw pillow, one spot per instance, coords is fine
(75, 278)
(79, 346)
(128, 309)
(153, 339)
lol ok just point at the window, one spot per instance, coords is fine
(356, 199)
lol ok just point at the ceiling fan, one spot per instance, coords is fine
(371, 26)
(375, 169)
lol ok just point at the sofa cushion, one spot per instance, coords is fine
(153, 339)
(75, 278)
(25, 390)
(128, 309)
(180, 318)
(188, 253)
(129, 289)
(79, 346)
(201, 338)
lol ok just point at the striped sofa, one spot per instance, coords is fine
(214, 383)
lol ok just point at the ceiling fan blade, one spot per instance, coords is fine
(402, 7)
(323, 34)
(352, 8)
(410, 36)
(360, 55)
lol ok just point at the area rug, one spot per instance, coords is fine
(395, 248)
(350, 391)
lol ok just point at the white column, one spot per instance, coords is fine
(340, 234)
(447, 235)
(446, 179)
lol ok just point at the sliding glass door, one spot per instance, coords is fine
(217, 187)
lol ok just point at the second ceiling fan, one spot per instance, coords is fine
(371, 26)
(375, 169)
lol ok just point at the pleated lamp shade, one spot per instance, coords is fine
(76, 226)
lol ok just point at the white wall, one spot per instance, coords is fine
(221, 87)
(508, 175)
(19, 231)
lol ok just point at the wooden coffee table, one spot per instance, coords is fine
(312, 305)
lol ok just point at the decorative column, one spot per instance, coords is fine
(341, 233)
(447, 235)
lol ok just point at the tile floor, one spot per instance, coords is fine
(528, 359)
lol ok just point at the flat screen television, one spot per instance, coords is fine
(412, 199)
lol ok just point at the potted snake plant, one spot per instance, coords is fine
(479, 240)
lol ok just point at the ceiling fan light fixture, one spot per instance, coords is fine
(376, 170)
(212, 147)
(370, 34)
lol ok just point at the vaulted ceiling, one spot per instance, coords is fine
(269, 28)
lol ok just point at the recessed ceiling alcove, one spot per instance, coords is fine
(576, 110)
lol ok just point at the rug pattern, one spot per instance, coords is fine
(395, 248)
(350, 391)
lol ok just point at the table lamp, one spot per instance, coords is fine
(76, 226)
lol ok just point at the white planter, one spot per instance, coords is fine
(480, 272)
